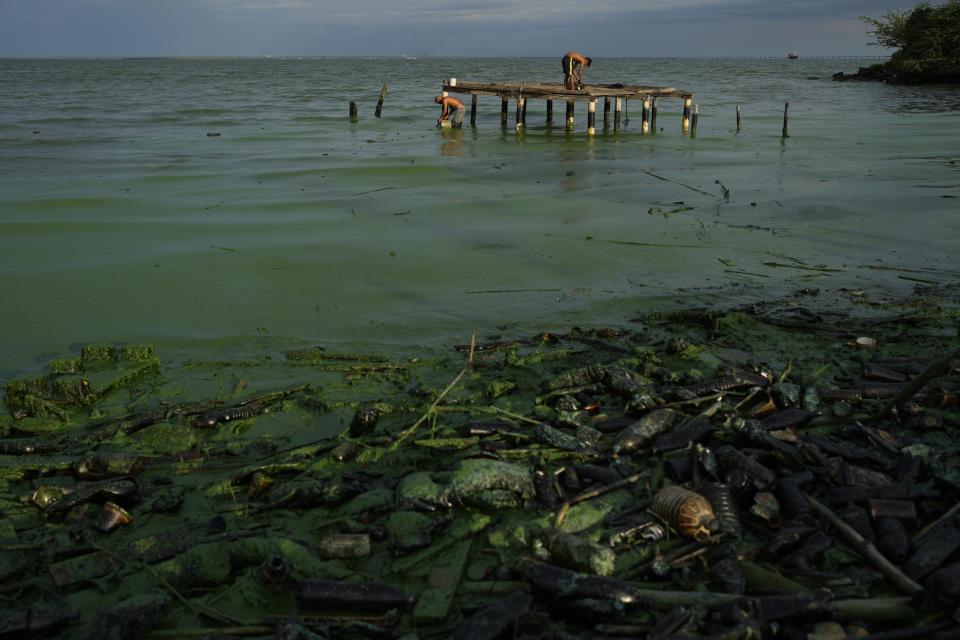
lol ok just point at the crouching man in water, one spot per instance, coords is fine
(452, 111)
(573, 63)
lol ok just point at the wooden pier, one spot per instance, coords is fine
(617, 94)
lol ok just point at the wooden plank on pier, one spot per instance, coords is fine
(556, 91)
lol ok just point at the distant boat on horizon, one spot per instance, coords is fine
(793, 55)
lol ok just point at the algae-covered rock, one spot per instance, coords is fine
(71, 389)
(95, 356)
(409, 531)
(579, 553)
(481, 482)
(418, 490)
(140, 353)
(165, 437)
(65, 366)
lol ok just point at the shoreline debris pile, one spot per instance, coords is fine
(766, 472)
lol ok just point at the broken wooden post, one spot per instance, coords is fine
(383, 94)
(616, 113)
(693, 123)
(523, 113)
(653, 115)
(606, 112)
(569, 114)
(645, 116)
(592, 116)
(503, 112)
(738, 117)
(786, 107)
(353, 111)
(519, 115)
(473, 110)
(549, 112)
(687, 106)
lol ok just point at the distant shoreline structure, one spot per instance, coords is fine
(426, 57)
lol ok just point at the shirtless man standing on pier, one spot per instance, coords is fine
(451, 106)
(573, 63)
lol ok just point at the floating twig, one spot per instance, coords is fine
(686, 186)
(431, 410)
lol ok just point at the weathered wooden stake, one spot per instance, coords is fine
(383, 94)
(645, 116)
(592, 116)
(353, 111)
(738, 117)
(503, 112)
(549, 112)
(523, 113)
(687, 105)
(618, 102)
(653, 114)
(518, 116)
(693, 123)
(473, 110)
(786, 107)
(606, 112)
(569, 114)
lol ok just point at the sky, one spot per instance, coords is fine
(607, 28)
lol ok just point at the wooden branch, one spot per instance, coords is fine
(867, 550)
(938, 368)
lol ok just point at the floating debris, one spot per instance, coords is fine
(698, 474)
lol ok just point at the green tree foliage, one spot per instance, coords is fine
(928, 39)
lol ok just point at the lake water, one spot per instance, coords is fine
(121, 220)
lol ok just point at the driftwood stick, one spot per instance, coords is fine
(938, 368)
(867, 550)
(607, 488)
(933, 525)
(432, 408)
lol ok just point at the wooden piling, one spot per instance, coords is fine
(518, 116)
(383, 94)
(693, 122)
(569, 114)
(606, 112)
(523, 113)
(645, 116)
(353, 111)
(738, 117)
(473, 110)
(653, 114)
(549, 113)
(618, 102)
(786, 107)
(687, 106)
(504, 106)
(592, 116)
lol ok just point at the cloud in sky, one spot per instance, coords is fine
(435, 27)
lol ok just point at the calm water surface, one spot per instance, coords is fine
(122, 220)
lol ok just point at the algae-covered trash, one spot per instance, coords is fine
(755, 472)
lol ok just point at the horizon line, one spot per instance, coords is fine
(415, 57)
